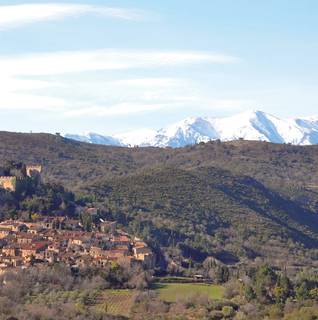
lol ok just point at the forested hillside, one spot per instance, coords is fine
(235, 201)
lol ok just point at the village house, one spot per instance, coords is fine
(101, 261)
(50, 256)
(4, 232)
(145, 255)
(25, 238)
(122, 248)
(12, 225)
(55, 246)
(72, 224)
(49, 234)
(10, 261)
(92, 211)
(10, 250)
(15, 261)
(52, 222)
(96, 251)
(108, 227)
(35, 229)
(120, 240)
(84, 261)
(31, 250)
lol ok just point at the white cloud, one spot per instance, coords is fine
(72, 94)
(149, 82)
(129, 108)
(109, 59)
(15, 94)
(22, 14)
(115, 110)
(29, 102)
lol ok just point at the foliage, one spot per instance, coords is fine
(44, 293)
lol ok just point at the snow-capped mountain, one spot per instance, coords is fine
(188, 131)
(257, 125)
(250, 125)
(95, 138)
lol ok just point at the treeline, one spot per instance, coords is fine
(265, 293)
(262, 294)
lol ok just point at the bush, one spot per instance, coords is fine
(228, 311)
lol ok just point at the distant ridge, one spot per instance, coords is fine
(95, 138)
(250, 125)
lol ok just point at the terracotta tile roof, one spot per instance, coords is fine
(121, 238)
(34, 246)
(25, 235)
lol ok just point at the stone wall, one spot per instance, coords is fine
(8, 183)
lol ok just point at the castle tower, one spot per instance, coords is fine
(33, 170)
(8, 183)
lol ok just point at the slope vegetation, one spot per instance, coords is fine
(234, 201)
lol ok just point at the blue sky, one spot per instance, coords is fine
(115, 66)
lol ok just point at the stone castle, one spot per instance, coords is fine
(10, 182)
(32, 170)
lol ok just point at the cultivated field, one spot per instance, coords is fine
(116, 302)
(171, 292)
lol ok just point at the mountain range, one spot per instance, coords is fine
(250, 125)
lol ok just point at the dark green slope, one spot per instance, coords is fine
(210, 212)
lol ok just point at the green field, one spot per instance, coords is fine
(171, 292)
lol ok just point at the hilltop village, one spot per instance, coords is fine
(58, 239)
(46, 240)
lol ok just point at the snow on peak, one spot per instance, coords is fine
(142, 137)
(248, 125)
(90, 137)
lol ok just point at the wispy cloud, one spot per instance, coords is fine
(109, 59)
(18, 15)
(116, 110)
(130, 108)
(58, 81)
(149, 82)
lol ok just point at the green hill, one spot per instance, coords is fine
(234, 201)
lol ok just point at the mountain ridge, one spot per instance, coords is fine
(249, 125)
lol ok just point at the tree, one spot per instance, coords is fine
(228, 312)
(282, 289)
(313, 293)
(265, 281)
(249, 293)
(302, 291)
(86, 221)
